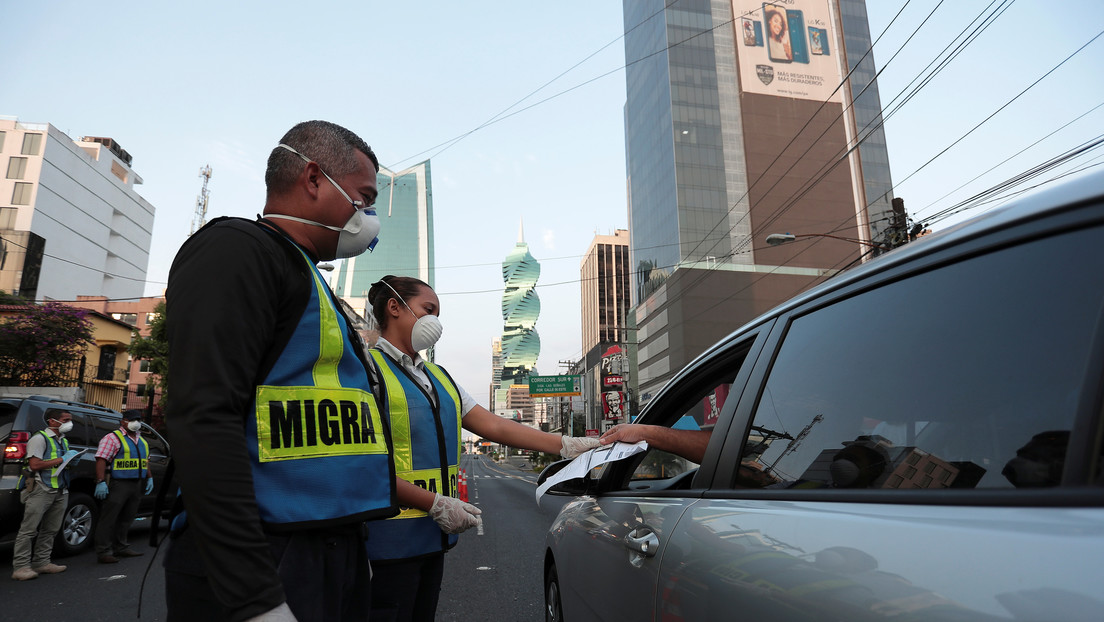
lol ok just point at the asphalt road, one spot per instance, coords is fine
(498, 575)
(493, 576)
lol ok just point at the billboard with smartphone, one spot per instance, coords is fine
(787, 48)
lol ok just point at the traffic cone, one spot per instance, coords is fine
(463, 487)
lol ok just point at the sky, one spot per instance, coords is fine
(181, 86)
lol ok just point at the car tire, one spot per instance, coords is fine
(553, 609)
(77, 526)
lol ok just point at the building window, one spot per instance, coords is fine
(17, 167)
(32, 144)
(7, 217)
(22, 193)
(144, 366)
(2, 136)
(151, 318)
(127, 318)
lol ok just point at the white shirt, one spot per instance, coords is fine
(416, 368)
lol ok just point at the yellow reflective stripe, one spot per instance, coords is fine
(429, 479)
(317, 422)
(331, 341)
(443, 378)
(399, 412)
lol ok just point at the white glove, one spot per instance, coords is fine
(453, 515)
(575, 445)
(279, 614)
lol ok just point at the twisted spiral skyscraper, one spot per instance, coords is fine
(520, 308)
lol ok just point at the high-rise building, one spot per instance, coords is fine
(520, 308)
(497, 395)
(604, 294)
(71, 221)
(405, 248)
(742, 121)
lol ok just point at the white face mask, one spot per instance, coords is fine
(427, 329)
(65, 427)
(361, 231)
(134, 426)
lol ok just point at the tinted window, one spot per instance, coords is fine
(156, 445)
(8, 411)
(967, 376)
(82, 434)
(103, 426)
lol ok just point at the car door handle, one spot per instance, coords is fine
(642, 540)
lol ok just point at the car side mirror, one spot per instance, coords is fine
(572, 487)
(551, 470)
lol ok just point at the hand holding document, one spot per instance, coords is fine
(76, 454)
(580, 466)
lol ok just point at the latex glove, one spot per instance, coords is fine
(101, 491)
(279, 614)
(575, 445)
(453, 515)
(69, 454)
(149, 485)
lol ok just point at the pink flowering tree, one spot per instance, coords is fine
(39, 345)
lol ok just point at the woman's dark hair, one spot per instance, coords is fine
(380, 294)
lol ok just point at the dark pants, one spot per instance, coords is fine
(326, 578)
(407, 590)
(117, 513)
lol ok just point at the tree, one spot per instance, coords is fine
(154, 349)
(37, 344)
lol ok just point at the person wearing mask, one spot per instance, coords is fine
(427, 410)
(45, 499)
(279, 445)
(123, 457)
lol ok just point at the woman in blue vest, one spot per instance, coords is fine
(427, 410)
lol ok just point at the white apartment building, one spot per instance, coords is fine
(71, 222)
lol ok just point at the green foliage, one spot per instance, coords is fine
(154, 349)
(38, 345)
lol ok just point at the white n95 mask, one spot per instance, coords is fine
(426, 330)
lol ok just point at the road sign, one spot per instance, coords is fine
(552, 386)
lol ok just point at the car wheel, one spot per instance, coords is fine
(77, 525)
(553, 610)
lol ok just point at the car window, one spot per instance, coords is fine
(157, 446)
(694, 407)
(103, 425)
(81, 435)
(966, 376)
(8, 412)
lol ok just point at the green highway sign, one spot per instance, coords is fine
(553, 386)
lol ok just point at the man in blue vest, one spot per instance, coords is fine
(45, 499)
(122, 457)
(279, 445)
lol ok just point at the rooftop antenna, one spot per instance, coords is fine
(200, 217)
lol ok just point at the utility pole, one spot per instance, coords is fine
(200, 217)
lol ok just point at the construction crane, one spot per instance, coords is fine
(200, 217)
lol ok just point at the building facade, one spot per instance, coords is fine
(71, 221)
(520, 309)
(405, 248)
(741, 122)
(139, 315)
(604, 277)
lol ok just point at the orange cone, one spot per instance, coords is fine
(463, 486)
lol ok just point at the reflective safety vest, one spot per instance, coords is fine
(427, 454)
(56, 477)
(319, 448)
(131, 460)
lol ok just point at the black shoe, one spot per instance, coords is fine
(107, 559)
(128, 553)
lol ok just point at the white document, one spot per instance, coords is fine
(583, 463)
(75, 456)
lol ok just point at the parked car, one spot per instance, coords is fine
(20, 417)
(916, 439)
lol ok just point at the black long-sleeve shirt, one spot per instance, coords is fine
(235, 294)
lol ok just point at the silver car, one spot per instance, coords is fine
(919, 438)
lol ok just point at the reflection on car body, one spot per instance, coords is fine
(955, 475)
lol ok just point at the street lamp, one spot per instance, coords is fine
(776, 239)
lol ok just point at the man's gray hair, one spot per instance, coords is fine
(330, 145)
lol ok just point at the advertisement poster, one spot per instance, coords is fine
(613, 404)
(787, 48)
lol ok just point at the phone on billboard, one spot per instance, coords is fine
(753, 33)
(777, 27)
(798, 44)
(818, 41)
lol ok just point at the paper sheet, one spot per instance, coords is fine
(75, 456)
(583, 463)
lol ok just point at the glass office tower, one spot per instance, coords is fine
(405, 248)
(739, 123)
